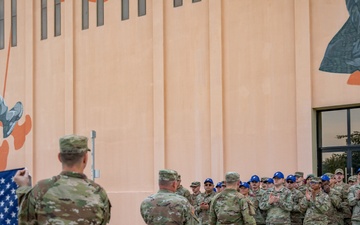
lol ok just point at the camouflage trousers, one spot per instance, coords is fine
(355, 222)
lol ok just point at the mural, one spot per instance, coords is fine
(343, 52)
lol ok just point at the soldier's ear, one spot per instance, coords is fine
(59, 157)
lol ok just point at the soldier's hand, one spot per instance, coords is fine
(272, 198)
(21, 178)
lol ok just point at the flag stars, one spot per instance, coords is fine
(2, 181)
(8, 185)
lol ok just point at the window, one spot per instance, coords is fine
(2, 25)
(196, 1)
(43, 19)
(13, 23)
(57, 18)
(141, 7)
(338, 140)
(178, 3)
(99, 13)
(85, 14)
(124, 9)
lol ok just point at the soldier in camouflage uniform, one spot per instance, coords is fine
(229, 206)
(203, 210)
(296, 214)
(180, 190)
(196, 195)
(334, 215)
(316, 203)
(352, 180)
(255, 196)
(263, 183)
(343, 188)
(277, 201)
(300, 182)
(166, 207)
(354, 201)
(68, 198)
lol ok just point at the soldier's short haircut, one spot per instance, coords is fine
(70, 159)
(166, 182)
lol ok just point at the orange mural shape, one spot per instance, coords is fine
(20, 131)
(4, 152)
(354, 78)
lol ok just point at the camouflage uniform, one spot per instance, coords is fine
(355, 203)
(196, 199)
(334, 216)
(166, 207)
(69, 198)
(296, 214)
(255, 197)
(204, 215)
(344, 206)
(316, 209)
(184, 192)
(230, 207)
(278, 212)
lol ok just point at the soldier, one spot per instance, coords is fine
(229, 206)
(316, 203)
(196, 195)
(180, 190)
(218, 187)
(166, 207)
(255, 196)
(352, 180)
(343, 188)
(203, 210)
(263, 183)
(68, 198)
(296, 214)
(277, 201)
(269, 183)
(354, 201)
(300, 182)
(334, 215)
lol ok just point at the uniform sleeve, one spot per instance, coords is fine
(296, 206)
(304, 204)
(26, 204)
(248, 219)
(322, 203)
(212, 213)
(264, 202)
(107, 207)
(352, 197)
(191, 219)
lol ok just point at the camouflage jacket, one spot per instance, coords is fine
(354, 202)
(334, 215)
(344, 191)
(296, 214)
(203, 214)
(230, 207)
(278, 212)
(69, 198)
(316, 209)
(166, 207)
(195, 199)
(260, 215)
(184, 192)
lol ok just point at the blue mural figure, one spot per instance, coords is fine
(343, 52)
(9, 118)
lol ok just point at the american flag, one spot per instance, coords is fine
(8, 200)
